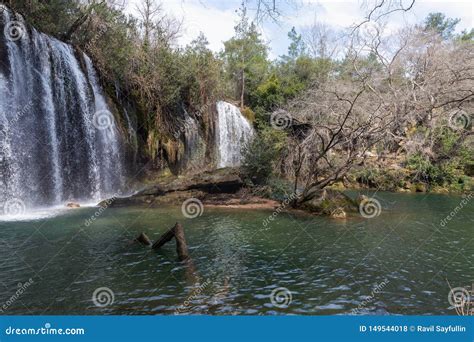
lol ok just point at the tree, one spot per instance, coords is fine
(438, 23)
(148, 10)
(422, 84)
(466, 35)
(245, 57)
(297, 47)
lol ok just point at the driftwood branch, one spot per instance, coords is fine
(176, 232)
(143, 239)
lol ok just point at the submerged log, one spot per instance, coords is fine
(181, 245)
(143, 239)
(166, 237)
(176, 232)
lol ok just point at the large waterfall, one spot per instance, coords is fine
(233, 131)
(58, 140)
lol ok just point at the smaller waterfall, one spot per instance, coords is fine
(233, 131)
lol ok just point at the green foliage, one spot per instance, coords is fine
(380, 179)
(260, 154)
(202, 72)
(52, 17)
(245, 58)
(297, 47)
(159, 79)
(466, 36)
(424, 171)
(439, 23)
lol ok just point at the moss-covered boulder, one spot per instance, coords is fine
(330, 202)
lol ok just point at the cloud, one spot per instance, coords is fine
(216, 19)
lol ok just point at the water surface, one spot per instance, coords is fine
(396, 263)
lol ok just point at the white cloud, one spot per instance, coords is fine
(216, 19)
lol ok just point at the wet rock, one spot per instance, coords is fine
(419, 187)
(177, 189)
(339, 213)
(328, 201)
(73, 205)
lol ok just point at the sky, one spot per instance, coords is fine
(216, 19)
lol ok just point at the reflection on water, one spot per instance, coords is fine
(396, 263)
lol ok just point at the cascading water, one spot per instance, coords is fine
(58, 140)
(233, 131)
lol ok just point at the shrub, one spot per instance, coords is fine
(260, 154)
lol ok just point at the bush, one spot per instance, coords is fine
(376, 178)
(260, 154)
(445, 173)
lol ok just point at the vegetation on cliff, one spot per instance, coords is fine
(387, 111)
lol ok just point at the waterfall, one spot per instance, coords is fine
(233, 131)
(58, 140)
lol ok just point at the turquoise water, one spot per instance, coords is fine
(396, 263)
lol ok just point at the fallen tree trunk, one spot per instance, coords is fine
(166, 237)
(143, 239)
(176, 232)
(181, 245)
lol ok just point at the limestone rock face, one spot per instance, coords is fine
(177, 189)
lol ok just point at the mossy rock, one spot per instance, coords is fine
(419, 187)
(328, 202)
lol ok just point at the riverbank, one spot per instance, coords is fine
(224, 188)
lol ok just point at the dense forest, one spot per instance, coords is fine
(353, 108)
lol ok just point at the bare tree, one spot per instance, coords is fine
(386, 88)
(321, 40)
(148, 10)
